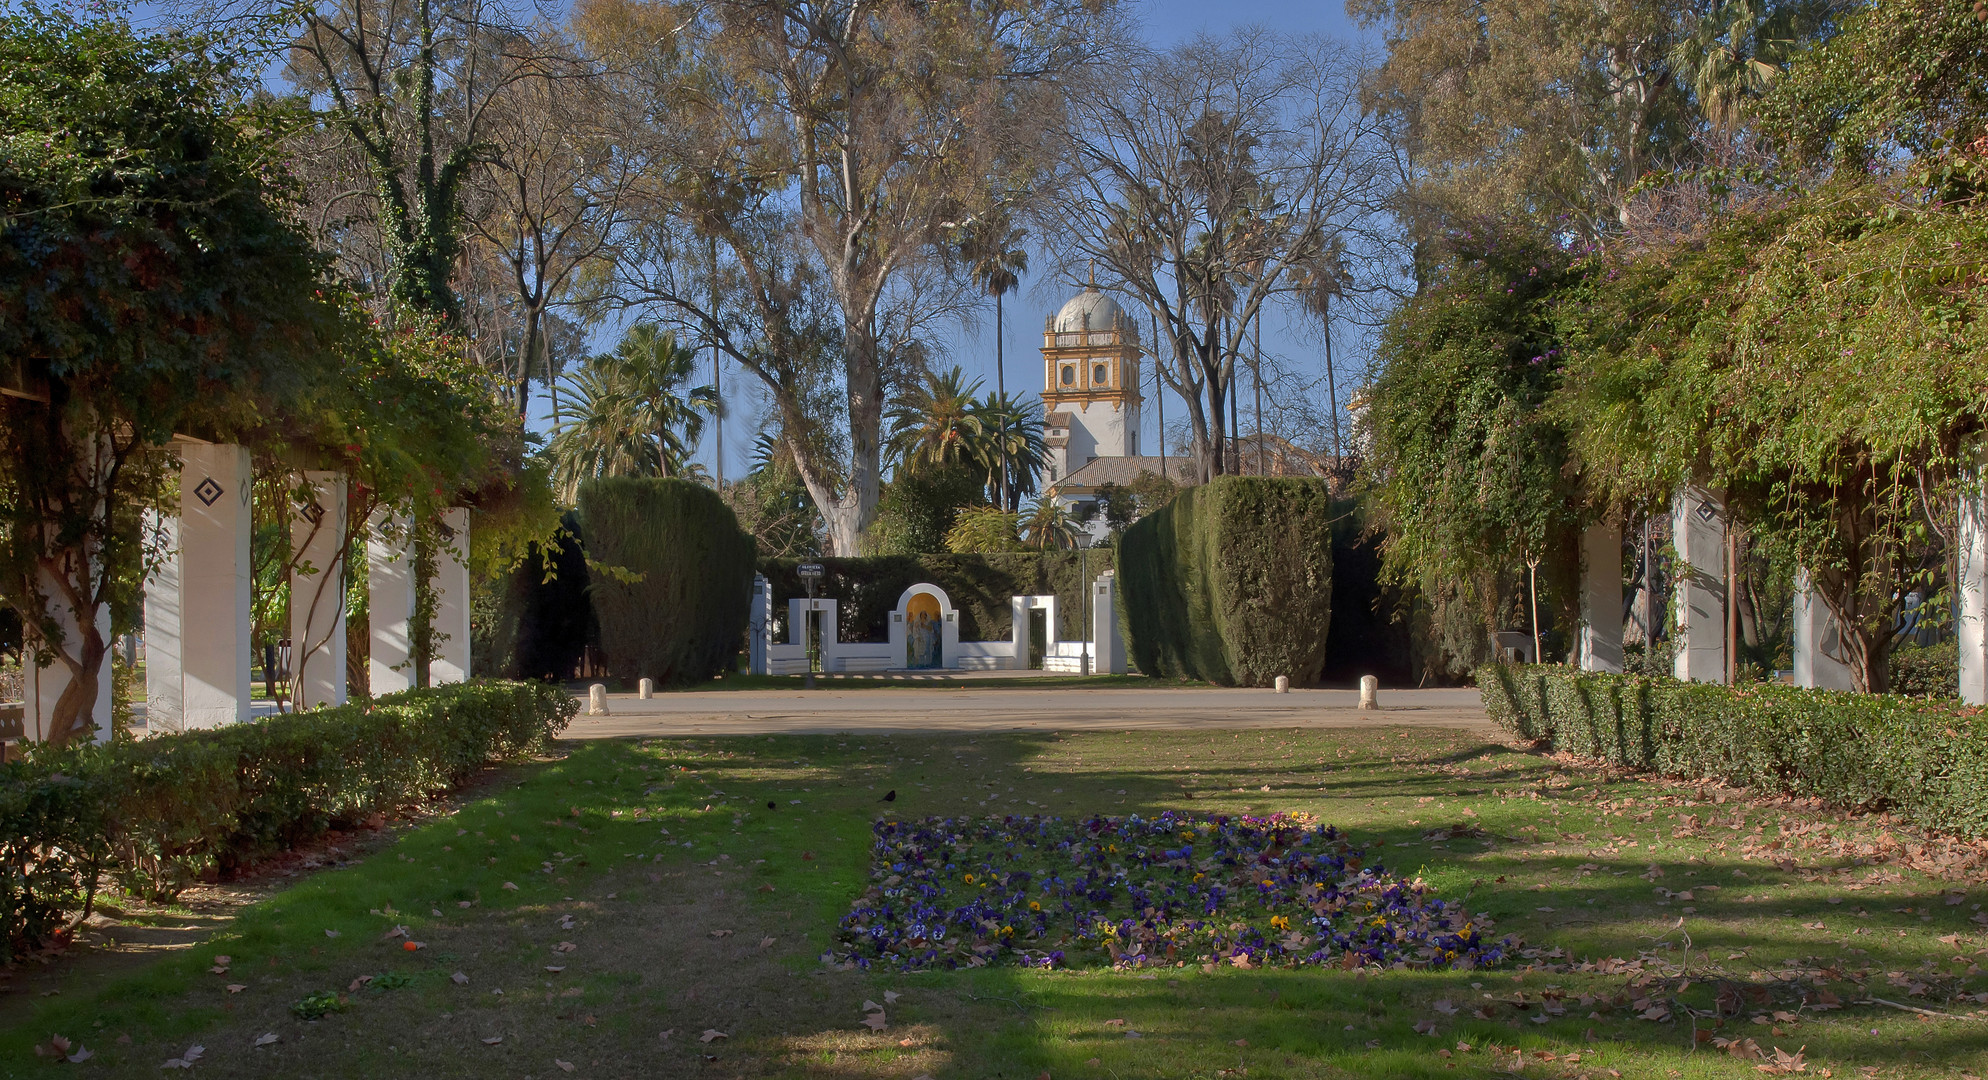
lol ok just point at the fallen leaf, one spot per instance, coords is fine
(555, 968)
(493, 1040)
(186, 1060)
(1428, 1027)
(564, 1066)
(871, 1006)
(510, 887)
(459, 979)
(81, 1055)
(721, 933)
(711, 1034)
(1117, 1022)
(874, 1021)
(1446, 1007)
(766, 943)
(891, 996)
(236, 988)
(267, 1038)
(327, 933)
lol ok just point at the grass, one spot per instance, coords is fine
(690, 907)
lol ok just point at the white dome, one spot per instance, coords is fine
(1094, 311)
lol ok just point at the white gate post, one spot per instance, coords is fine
(1698, 531)
(1109, 645)
(317, 595)
(1600, 646)
(163, 622)
(760, 626)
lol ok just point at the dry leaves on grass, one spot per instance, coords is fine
(267, 1038)
(564, 1066)
(186, 1060)
(712, 1035)
(493, 1040)
(63, 1050)
(459, 978)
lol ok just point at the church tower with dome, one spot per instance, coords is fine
(1091, 384)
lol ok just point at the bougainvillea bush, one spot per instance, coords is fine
(1135, 891)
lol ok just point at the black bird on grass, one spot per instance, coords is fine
(891, 795)
(771, 805)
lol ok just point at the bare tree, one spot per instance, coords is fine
(865, 128)
(1213, 181)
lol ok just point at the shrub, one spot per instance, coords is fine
(162, 811)
(1231, 582)
(919, 507)
(1924, 760)
(1931, 671)
(672, 577)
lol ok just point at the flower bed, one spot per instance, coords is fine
(1133, 892)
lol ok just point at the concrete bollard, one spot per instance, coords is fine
(645, 689)
(1370, 694)
(597, 700)
(1283, 684)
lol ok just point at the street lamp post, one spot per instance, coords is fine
(811, 573)
(1084, 583)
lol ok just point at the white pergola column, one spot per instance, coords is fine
(44, 685)
(197, 662)
(317, 595)
(451, 663)
(390, 606)
(1971, 582)
(163, 625)
(1698, 531)
(1818, 648)
(1600, 644)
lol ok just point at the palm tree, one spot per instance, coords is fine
(627, 413)
(938, 423)
(998, 261)
(1045, 526)
(1015, 455)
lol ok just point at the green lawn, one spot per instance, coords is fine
(658, 899)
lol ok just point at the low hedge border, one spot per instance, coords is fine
(1926, 761)
(158, 813)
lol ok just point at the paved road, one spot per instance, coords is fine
(765, 712)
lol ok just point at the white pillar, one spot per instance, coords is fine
(390, 606)
(1971, 582)
(760, 624)
(451, 663)
(1109, 644)
(163, 622)
(1600, 645)
(1698, 532)
(1818, 648)
(1018, 632)
(44, 685)
(197, 603)
(317, 595)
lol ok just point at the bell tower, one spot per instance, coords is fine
(1090, 383)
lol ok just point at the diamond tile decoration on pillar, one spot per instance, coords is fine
(1698, 532)
(317, 594)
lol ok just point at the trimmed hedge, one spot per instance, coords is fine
(1924, 760)
(1931, 671)
(160, 812)
(980, 585)
(1231, 582)
(672, 577)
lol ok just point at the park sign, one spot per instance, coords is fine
(810, 571)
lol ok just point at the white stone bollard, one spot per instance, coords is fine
(1370, 694)
(597, 700)
(645, 689)
(1283, 684)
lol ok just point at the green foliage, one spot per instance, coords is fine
(1231, 582)
(1926, 761)
(1469, 466)
(672, 577)
(316, 1006)
(980, 585)
(1928, 671)
(919, 507)
(984, 529)
(631, 412)
(159, 812)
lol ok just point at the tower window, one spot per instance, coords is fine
(1069, 376)
(1101, 374)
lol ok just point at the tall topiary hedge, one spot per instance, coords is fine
(671, 577)
(1231, 582)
